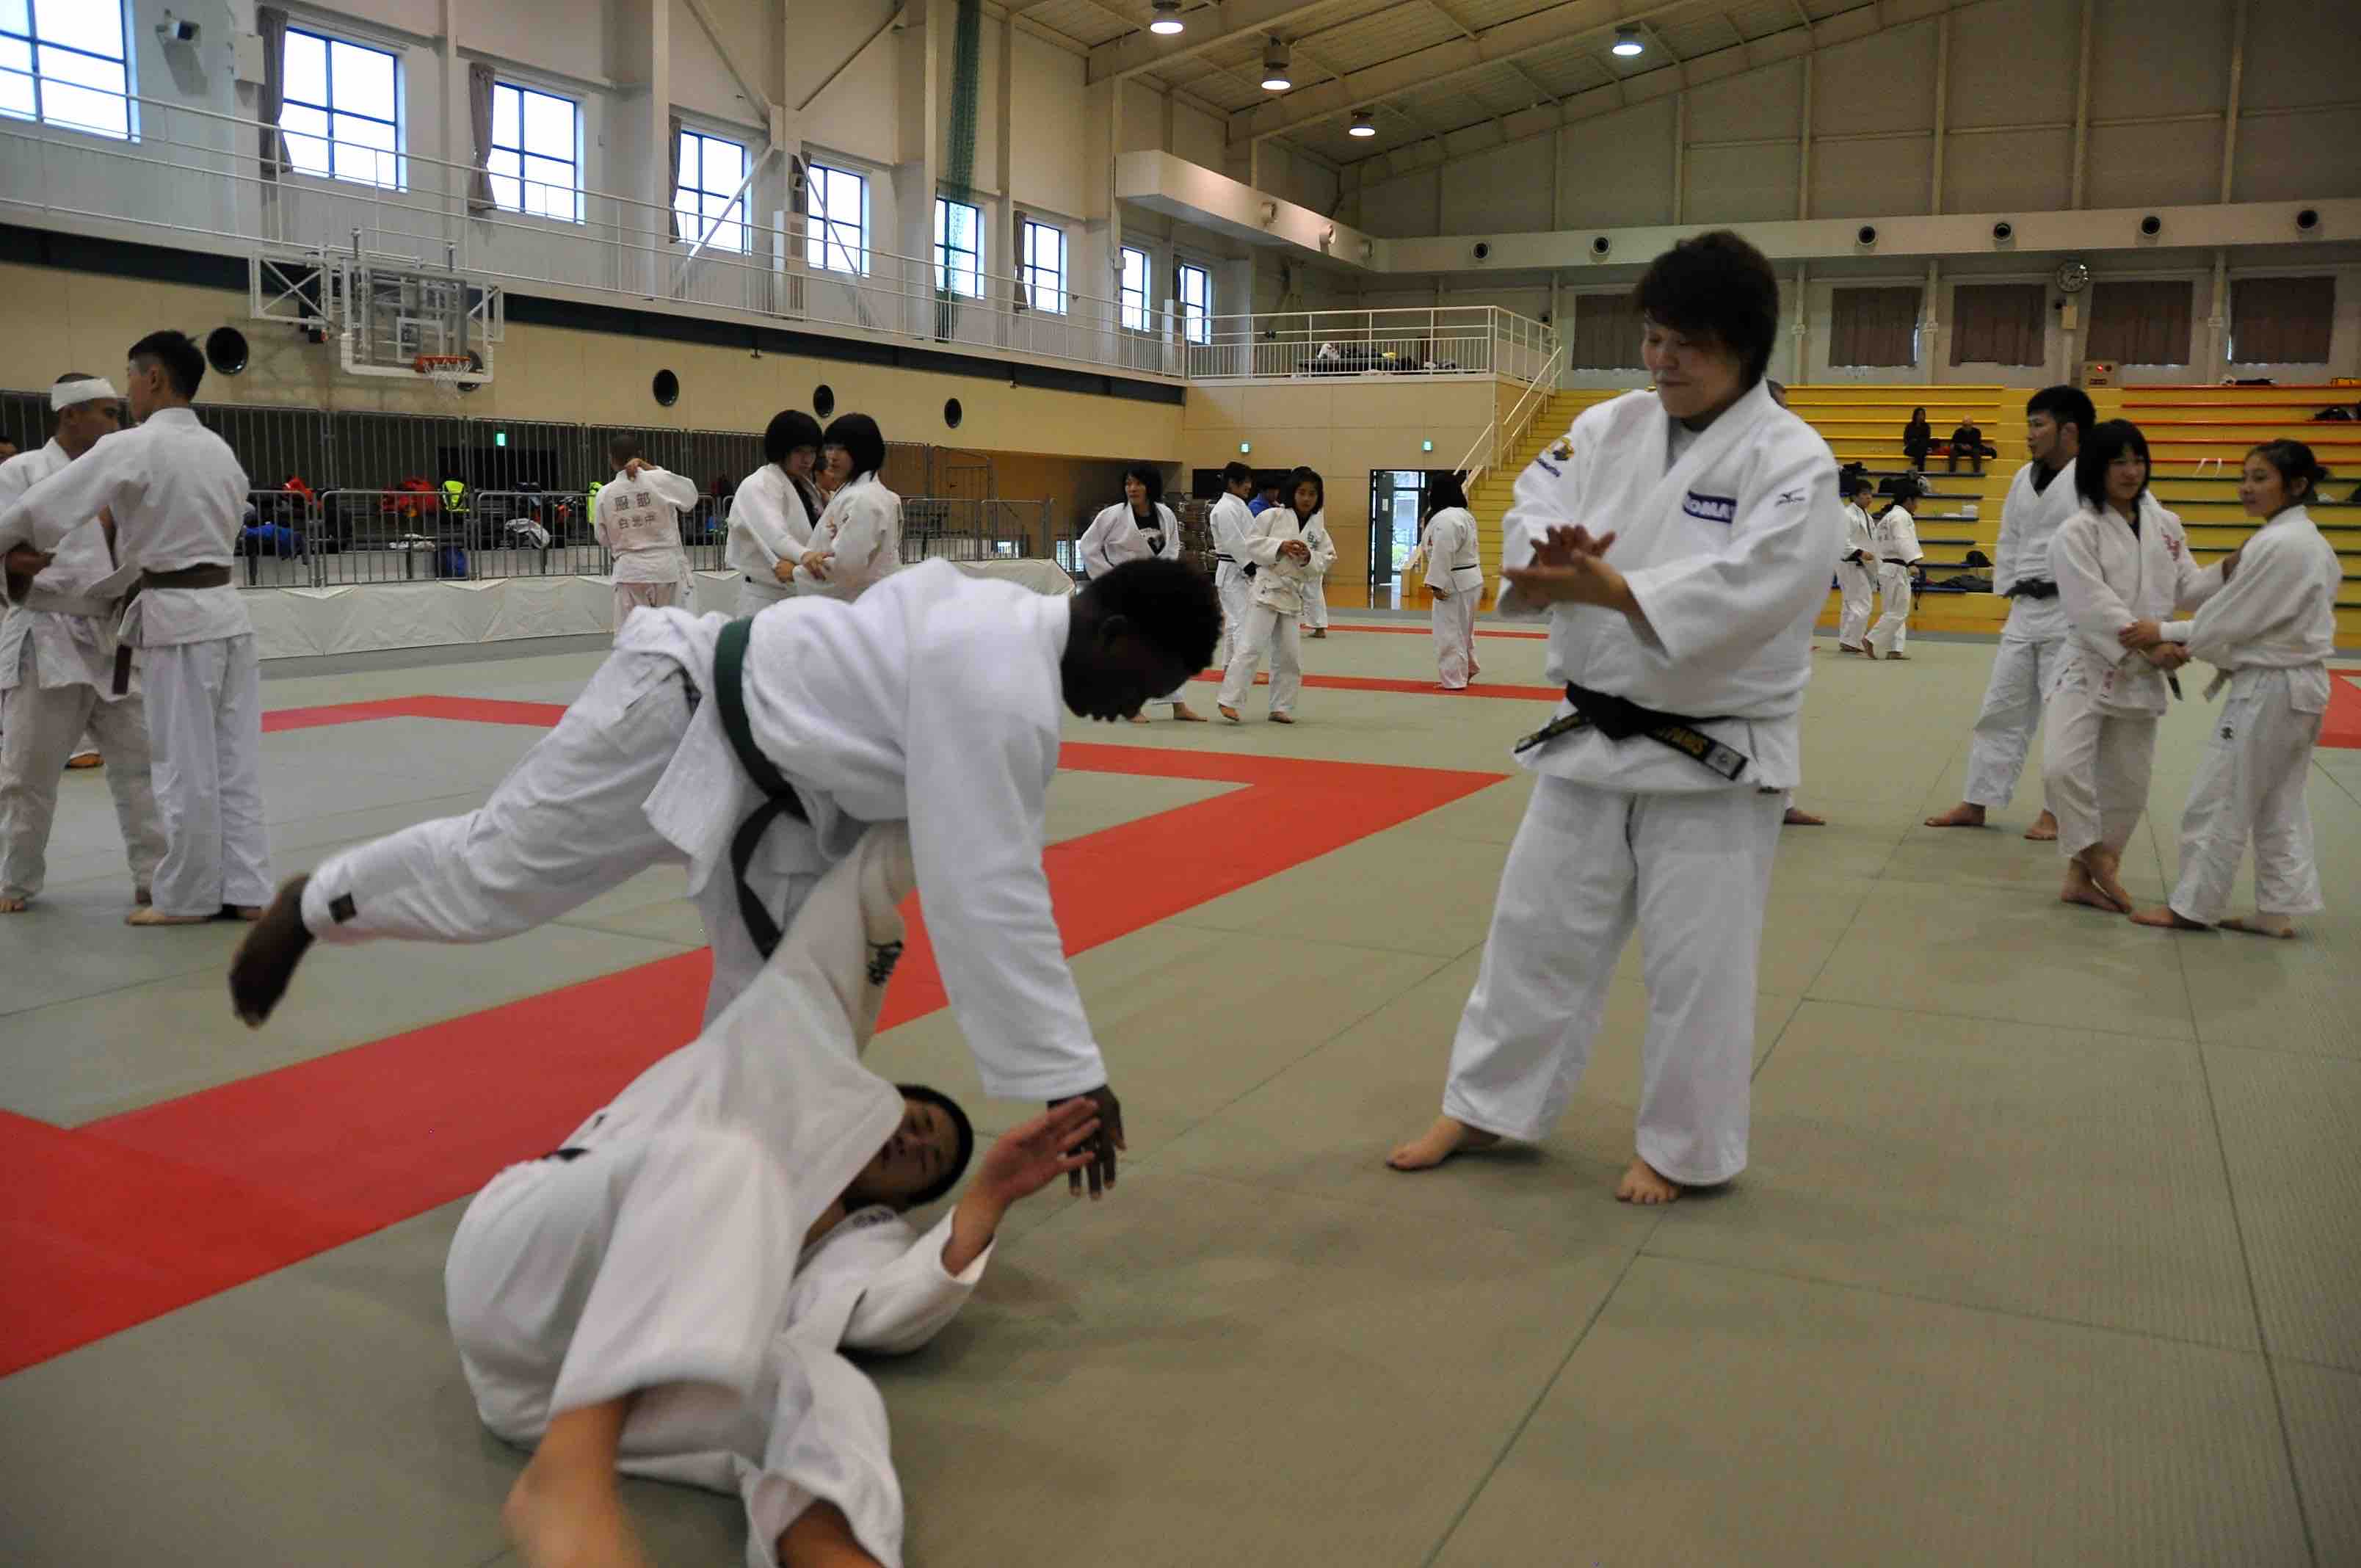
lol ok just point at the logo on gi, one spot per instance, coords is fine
(1561, 449)
(1722, 509)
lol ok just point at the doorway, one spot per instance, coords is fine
(1397, 502)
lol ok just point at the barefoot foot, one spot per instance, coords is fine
(2102, 870)
(1187, 714)
(266, 960)
(1644, 1185)
(2277, 926)
(2080, 889)
(2164, 917)
(1227, 711)
(147, 917)
(562, 1522)
(1139, 719)
(1448, 1137)
(2043, 829)
(1797, 818)
(1960, 816)
(1282, 719)
(12, 905)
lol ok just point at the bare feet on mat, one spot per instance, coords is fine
(266, 960)
(143, 897)
(11, 906)
(147, 917)
(1282, 719)
(1139, 719)
(1904, 657)
(249, 912)
(1448, 1137)
(2043, 829)
(1187, 714)
(822, 1538)
(2080, 889)
(1643, 1184)
(2277, 926)
(1960, 816)
(2104, 865)
(1795, 818)
(1230, 713)
(1851, 648)
(2165, 917)
(568, 1521)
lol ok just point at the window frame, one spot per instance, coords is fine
(821, 232)
(521, 152)
(1124, 291)
(35, 44)
(329, 112)
(1052, 296)
(944, 250)
(733, 212)
(1196, 318)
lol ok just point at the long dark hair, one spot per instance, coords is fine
(789, 429)
(2108, 440)
(2295, 465)
(861, 441)
(1300, 478)
(1445, 491)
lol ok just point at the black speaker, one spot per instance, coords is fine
(2151, 225)
(1865, 236)
(1601, 245)
(2002, 232)
(2307, 220)
(1483, 250)
(666, 388)
(226, 350)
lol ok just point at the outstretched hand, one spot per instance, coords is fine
(1103, 1142)
(1027, 1159)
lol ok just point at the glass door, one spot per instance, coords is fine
(1397, 502)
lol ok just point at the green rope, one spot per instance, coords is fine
(958, 145)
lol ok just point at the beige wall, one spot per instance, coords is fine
(1344, 431)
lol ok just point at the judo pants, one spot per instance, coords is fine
(1277, 633)
(630, 596)
(2250, 786)
(1315, 604)
(1892, 628)
(567, 825)
(45, 727)
(1455, 638)
(1236, 590)
(2094, 770)
(205, 745)
(2025, 671)
(1852, 625)
(1693, 874)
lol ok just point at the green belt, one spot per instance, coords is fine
(729, 693)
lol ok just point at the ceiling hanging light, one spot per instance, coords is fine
(1627, 42)
(1168, 18)
(1274, 67)
(1365, 123)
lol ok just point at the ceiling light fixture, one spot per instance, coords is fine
(1364, 124)
(1274, 67)
(1168, 18)
(1627, 42)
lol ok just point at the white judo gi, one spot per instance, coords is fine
(2032, 644)
(178, 494)
(1230, 522)
(1116, 538)
(667, 1258)
(770, 521)
(57, 675)
(936, 700)
(1453, 566)
(1894, 541)
(1855, 580)
(1725, 537)
(861, 529)
(638, 520)
(2098, 735)
(2270, 632)
(1274, 614)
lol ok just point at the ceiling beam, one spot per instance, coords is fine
(1211, 26)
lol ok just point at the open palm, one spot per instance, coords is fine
(1027, 1159)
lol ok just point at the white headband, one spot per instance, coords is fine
(91, 390)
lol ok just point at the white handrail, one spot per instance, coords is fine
(1439, 340)
(1487, 453)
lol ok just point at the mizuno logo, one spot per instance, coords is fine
(1788, 497)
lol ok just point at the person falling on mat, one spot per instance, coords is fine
(669, 1293)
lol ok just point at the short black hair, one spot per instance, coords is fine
(1236, 472)
(1445, 490)
(2296, 466)
(1276, 482)
(1857, 482)
(960, 1125)
(2064, 405)
(788, 429)
(183, 361)
(1716, 284)
(861, 440)
(1150, 477)
(1174, 606)
(2106, 442)
(622, 449)
(1299, 478)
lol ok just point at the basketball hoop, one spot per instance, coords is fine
(453, 376)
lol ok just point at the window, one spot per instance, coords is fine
(959, 254)
(1196, 304)
(711, 169)
(536, 162)
(63, 63)
(340, 115)
(1134, 289)
(838, 237)
(1044, 273)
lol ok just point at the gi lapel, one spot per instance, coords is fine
(1716, 442)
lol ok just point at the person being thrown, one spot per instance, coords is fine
(669, 1293)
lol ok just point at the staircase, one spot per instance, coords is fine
(1490, 500)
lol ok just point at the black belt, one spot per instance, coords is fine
(728, 690)
(1618, 719)
(1231, 559)
(1892, 562)
(2033, 588)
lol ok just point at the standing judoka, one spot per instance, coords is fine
(2121, 560)
(1857, 569)
(774, 513)
(1285, 549)
(1893, 535)
(1229, 522)
(670, 1293)
(1455, 576)
(2270, 632)
(177, 495)
(57, 672)
(638, 521)
(858, 541)
(1139, 527)
(2033, 643)
(1679, 543)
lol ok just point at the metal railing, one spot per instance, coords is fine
(1501, 437)
(193, 173)
(1442, 341)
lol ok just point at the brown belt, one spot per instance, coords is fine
(186, 577)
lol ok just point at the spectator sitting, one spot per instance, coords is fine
(1968, 440)
(1917, 436)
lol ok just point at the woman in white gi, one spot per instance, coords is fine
(1229, 522)
(858, 542)
(2121, 560)
(638, 520)
(1287, 547)
(1857, 569)
(1139, 527)
(1893, 537)
(774, 513)
(668, 1294)
(2270, 632)
(1678, 541)
(1455, 576)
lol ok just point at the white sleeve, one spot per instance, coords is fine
(2004, 548)
(1091, 547)
(111, 474)
(1259, 544)
(2252, 605)
(1323, 549)
(868, 543)
(672, 489)
(755, 510)
(1905, 534)
(600, 528)
(1438, 547)
(2192, 584)
(912, 1299)
(1542, 500)
(1772, 568)
(2091, 608)
(977, 831)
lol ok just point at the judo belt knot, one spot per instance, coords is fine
(1619, 719)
